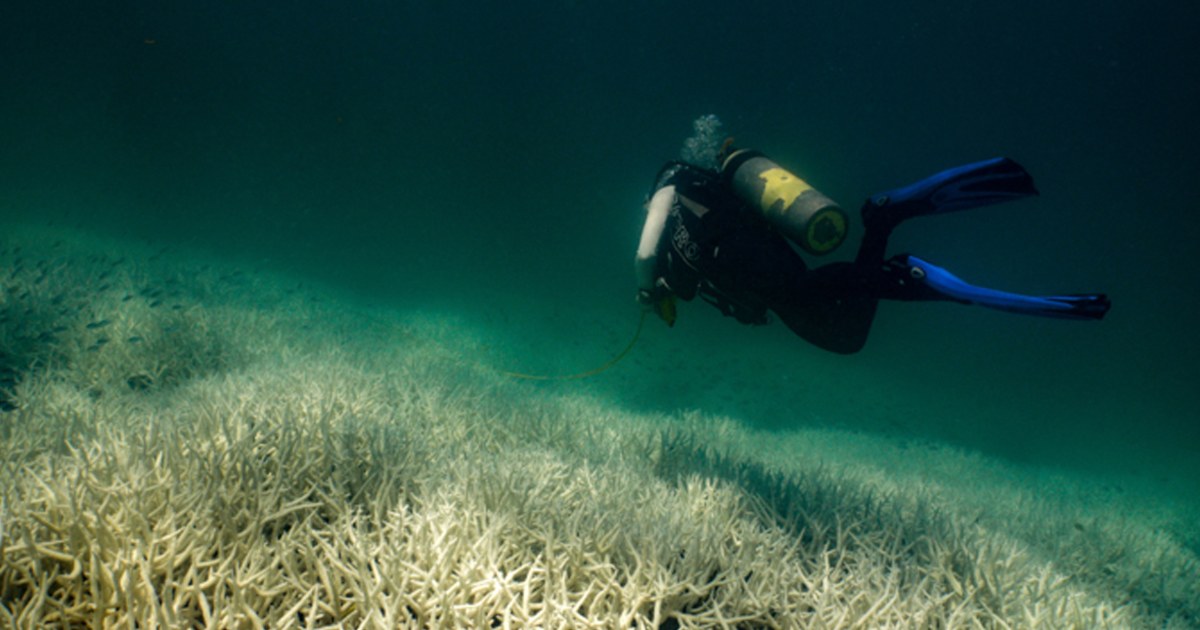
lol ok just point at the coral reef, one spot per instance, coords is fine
(360, 475)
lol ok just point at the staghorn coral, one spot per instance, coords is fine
(358, 476)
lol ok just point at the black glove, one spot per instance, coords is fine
(659, 301)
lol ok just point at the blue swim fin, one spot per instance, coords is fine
(969, 186)
(1072, 306)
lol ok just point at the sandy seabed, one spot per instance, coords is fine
(184, 443)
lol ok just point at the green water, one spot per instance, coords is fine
(491, 159)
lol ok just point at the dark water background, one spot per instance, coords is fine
(494, 156)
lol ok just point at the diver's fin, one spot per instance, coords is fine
(960, 188)
(1072, 306)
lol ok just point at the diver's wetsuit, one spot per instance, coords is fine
(710, 243)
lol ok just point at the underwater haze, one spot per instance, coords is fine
(484, 165)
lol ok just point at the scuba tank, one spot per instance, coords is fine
(804, 215)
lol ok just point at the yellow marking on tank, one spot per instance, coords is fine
(780, 185)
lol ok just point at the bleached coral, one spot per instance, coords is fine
(361, 476)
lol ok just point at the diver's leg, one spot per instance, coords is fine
(873, 246)
(830, 307)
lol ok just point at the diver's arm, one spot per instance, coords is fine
(646, 263)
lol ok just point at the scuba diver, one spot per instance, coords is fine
(720, 224)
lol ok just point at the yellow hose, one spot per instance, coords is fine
(611, 362)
